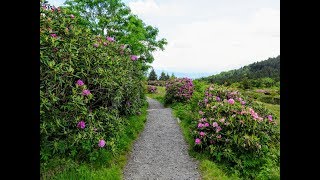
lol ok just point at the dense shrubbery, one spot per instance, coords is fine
(152, 89)
(178, 90)
(157, 83)
(235, 131)
(87, 84)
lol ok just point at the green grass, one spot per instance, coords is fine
(274, 108)
(159, 95)
(68, 169)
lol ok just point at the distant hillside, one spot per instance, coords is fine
(267, 68)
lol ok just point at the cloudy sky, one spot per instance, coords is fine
(210, 36)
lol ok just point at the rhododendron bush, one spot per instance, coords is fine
(178, 90)
(152, 89)
(234, 130)
(88, 83)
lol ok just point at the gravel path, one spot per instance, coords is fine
(160, 152)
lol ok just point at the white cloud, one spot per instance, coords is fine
(212, 36)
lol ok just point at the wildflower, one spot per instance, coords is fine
(72, 16)
(203, 119)
(200, 125)
(198, 141)
(80, 83)
(218, 98)
(102, 143)
(222, 120)
(243, 102)
(86, 92)
(81, 124)
(111, 39)
(202, 133)
(231, 101)
(219, 136)
(205, 100)
(95, 45)
(206, 124)
(270, 118)
(215, 124)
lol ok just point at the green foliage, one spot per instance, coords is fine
(115, 19)
(259, 74)
(70, 52)
(152, 76)
(151, 89)
(178, 90)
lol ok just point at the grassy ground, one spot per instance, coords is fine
(71, 170)
(159, 95)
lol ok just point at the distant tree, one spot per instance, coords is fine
(162, 76)
(172, 76)
(152, 76)
(167, 77)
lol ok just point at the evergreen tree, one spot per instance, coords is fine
(162, 76)
(152, 76)
(167, 77)
(172, 76)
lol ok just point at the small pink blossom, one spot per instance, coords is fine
(86, 92)
(53, 35)
(218, 98)
(133, 57)
(81, 124)
(71, 16)
(200, 125)
(201, 113)
(270, 118)
(218, 129)
(203, 120)
(110, 39)
(80, 83)
(202, 133)
(102, 143)
(104, 43)
(206, 124)
(95, 45)
(198, 141)
(231, 101)
(243, 102)
(222, 120)
(215, 124)
(219, 136)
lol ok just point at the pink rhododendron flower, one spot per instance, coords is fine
(202, 133)
(219, 136)
(206, 124)
(218, 98)
(218, 129)
(270, 118)
(243, 102)
(80, 83)
(111, 39)
(72, 16)
(198, 141)
(222, 120)
(215, 124)
(200, 125)
(102, 143)
(231, 101)
(133, 57)
(53, 35)
(206, 100)
(86, 92)
(81, 124)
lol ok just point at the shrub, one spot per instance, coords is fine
(152, 89)
(88, 83)
(157, 83)
(235, 131)
(178, 90)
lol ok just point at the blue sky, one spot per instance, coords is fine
(210, 36)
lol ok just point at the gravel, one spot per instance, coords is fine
(160, 152)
